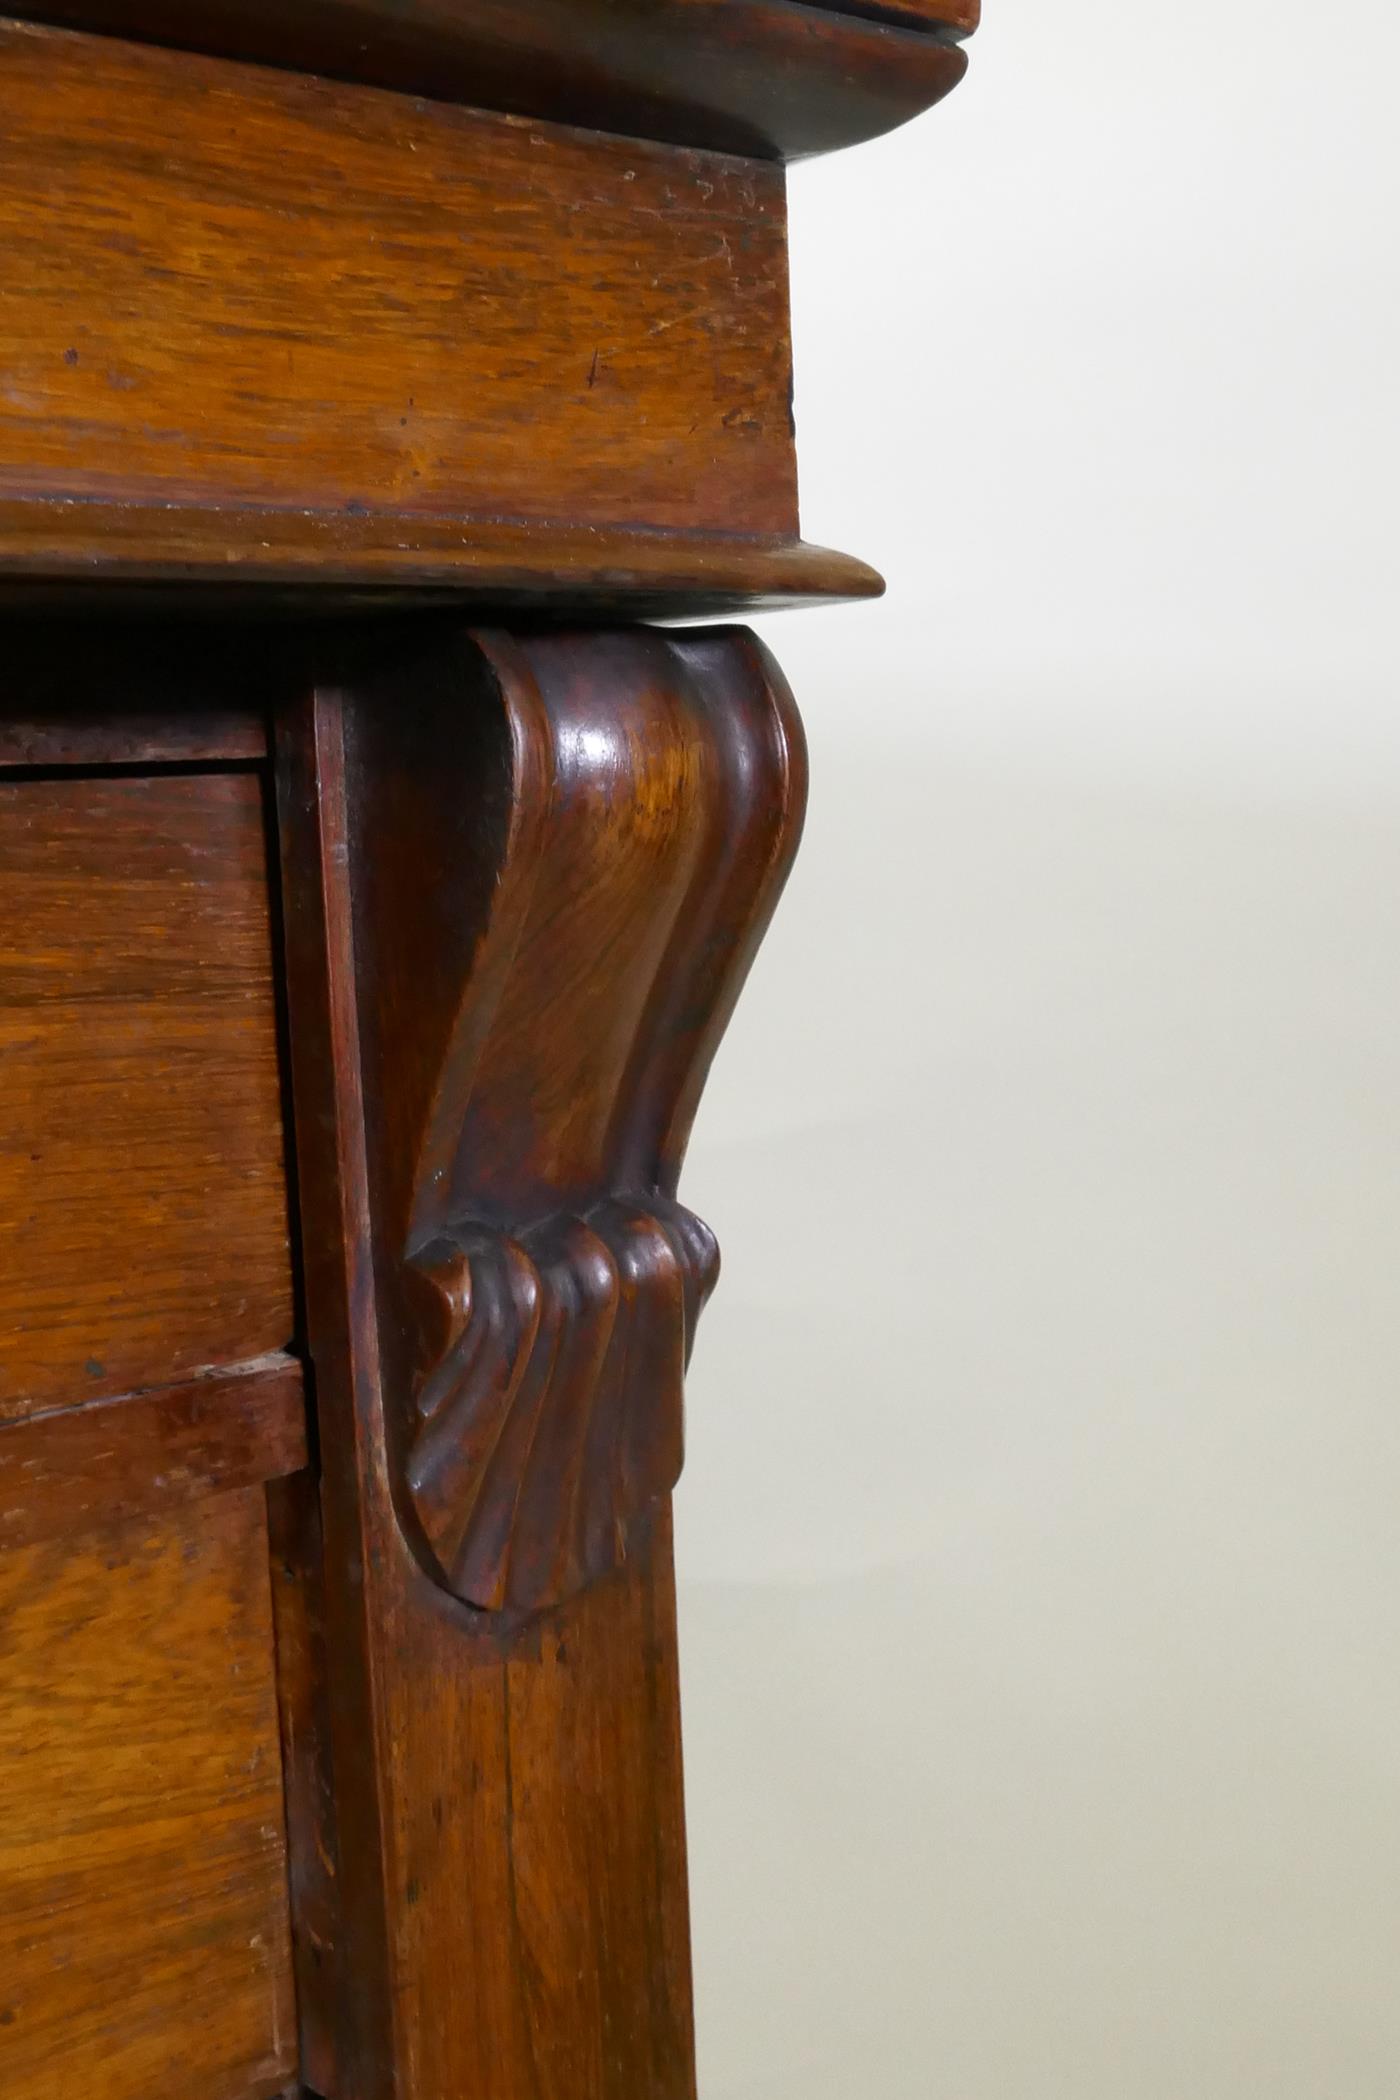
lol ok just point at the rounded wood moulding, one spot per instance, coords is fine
(779, 79)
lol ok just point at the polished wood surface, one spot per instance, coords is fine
(144, 1946)
(143, 1211)
(597, 329)
(170, 561)
(956, 17)
(774, 78)
(50, 739)
(540, 999)
(628, 806)
(359, 314)
(569, 1838)
(78, 1467)
(305, 1665)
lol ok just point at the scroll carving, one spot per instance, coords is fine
(563, 860)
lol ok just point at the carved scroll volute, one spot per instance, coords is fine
(565, 850)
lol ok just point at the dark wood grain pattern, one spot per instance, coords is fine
(143, 1212)
(305, 1666)
(777, 78)
(143, 1910)
(308, 296)
(88, 738)
(82, 1466)
(66, 1472)
(313, 317)
(172, 561)
(536, 1819)
(368, 1577)
(524, 879)
(564, 853)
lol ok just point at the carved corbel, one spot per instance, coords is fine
(562, 852)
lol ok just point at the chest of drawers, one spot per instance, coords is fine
(376, 879)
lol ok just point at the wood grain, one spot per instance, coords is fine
(508, 1797)
(305, 1667)
(65, 1472)
(172, 561)
(229, 287)
(90, 738)
(143, 1216)
(525, 877)
(278, 340)
(766, 77)
(641, 799)
(568, 1973)
(143, 1918)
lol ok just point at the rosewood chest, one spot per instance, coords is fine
(377, 876)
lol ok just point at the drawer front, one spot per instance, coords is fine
(144, 1939)
(145, 1397)
(143, 1208)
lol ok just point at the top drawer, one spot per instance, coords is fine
(143, 1207)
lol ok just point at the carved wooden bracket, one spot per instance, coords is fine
(562, 853)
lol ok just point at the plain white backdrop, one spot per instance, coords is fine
(1040, 1536)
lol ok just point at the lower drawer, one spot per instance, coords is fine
(144, 1939)
(145, 1399)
